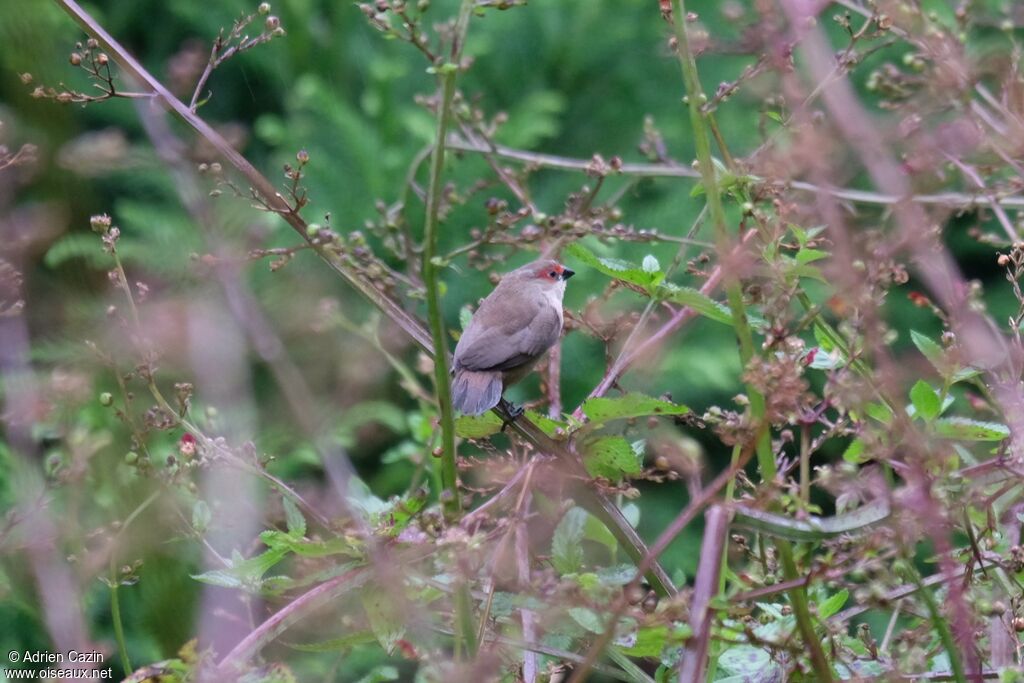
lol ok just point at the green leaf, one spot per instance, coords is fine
(465, 315)
(245, 573)
(477, 426)
(812, 272)
(748, 661)
(306, 548)
(926, 401)
(965, 374)
(587, 618)
(631, 511)
(566, 543)
(855, 452)
(219, 577)
(611, 457)
(402, 511)
(616, 268)
(601, 410)
(596, 531)
(824, 360)
(385, 619)
(936, 355)
(650, 641)
(806, 255)
(381, 674)
(699, 302)
(930, 350)
(966, 429)
(201, 516)
(616, 575)
(546, 424)
(833, 604)
(879, 411)
(293, 516)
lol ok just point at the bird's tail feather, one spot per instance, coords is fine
(475, 392)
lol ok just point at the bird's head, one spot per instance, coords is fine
(546, 273)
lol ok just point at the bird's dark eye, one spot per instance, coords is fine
(553, 274)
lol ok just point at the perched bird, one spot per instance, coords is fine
(514, 326)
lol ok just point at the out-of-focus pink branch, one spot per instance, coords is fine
(522, 548)
(712, 548)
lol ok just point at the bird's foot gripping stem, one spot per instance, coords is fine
(512, 412)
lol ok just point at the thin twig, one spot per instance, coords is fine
(958, 200)
(716, 530)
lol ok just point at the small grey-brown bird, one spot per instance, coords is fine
(514, 326)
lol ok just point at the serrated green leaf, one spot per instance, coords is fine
(603, 409)
(477, 426)
(616, 268)
(965, 429)
(566, 542)
(926, 401)
(325, 548)
(293, 516)
(699, 302)
(611, 457)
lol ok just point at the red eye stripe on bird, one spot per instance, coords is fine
(510, 331)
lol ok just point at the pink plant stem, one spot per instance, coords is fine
(522, 548)
(555, 382)
(716, 531)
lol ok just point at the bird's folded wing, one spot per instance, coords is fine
(507, 338)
